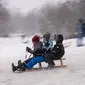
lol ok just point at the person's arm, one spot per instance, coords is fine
(37, 48)
(51, 44)
(29, 50)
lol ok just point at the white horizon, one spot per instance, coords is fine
(25, 6)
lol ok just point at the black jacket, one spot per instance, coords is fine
(37, 51)
(56, 53)
(58, 49)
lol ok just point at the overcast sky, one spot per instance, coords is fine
(27, 5)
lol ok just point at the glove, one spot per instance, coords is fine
(47, 44)
(28, 49)
(45, 47)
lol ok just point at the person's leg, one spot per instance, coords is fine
(49, 59)
(26, 61)
(20, 67)
(58, 55)
(34, 61)
(80, 39)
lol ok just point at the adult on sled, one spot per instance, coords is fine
(37, 56)
(57, 52)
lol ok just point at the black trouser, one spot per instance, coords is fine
(49, 57)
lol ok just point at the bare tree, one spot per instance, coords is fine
(4, 18)
(61, 18)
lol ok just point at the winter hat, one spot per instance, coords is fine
(36, 39)
(46, 36)
(58, 38)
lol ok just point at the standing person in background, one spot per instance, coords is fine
(80, 32)
(84, 28)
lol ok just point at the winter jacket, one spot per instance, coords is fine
(58, 48)
(48, 44)
(80, 29)
(37, 51)
(56, 53)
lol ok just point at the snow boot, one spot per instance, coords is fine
(14, 68)
(21, 66)
(50, 66)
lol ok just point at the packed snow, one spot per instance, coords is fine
(13, 49)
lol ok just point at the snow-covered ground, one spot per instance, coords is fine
(12, 49)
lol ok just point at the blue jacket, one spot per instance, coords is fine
(80, 30)
(50, 44)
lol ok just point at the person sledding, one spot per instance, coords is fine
(37, 56)
(57, 52)
(47, 42)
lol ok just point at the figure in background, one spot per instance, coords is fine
(80, 32)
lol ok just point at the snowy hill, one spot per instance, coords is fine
(12, 49)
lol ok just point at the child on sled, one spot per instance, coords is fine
(47, 42)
